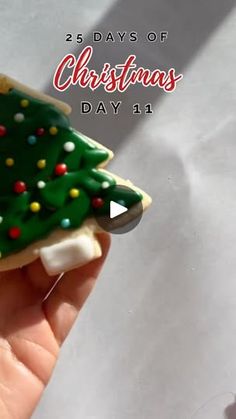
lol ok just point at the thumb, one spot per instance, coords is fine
(67, 298)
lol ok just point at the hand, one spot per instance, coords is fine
(33, 325)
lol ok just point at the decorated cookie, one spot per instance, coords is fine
(52, 183)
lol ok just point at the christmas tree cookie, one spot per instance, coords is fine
(52, 183)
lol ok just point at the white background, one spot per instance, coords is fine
(157, 338)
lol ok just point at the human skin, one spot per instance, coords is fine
(36, 314)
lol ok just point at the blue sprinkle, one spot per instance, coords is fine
(65, 223)
(121, 202)
(32, 139)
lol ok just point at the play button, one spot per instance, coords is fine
(122, 210)
(116, 209)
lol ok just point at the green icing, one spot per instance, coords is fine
(55, 201)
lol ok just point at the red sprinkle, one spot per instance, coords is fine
(14, 232)
(97, 202)
(40, 131)
(3, 130)
(19, 187)
(60, 169)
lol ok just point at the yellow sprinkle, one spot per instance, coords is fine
(74, 193)
(41, 164)
(24, 103)
(9, 162)
(53, 130)
(35, 206)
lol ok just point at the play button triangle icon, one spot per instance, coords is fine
(120, 214)
(116, 209)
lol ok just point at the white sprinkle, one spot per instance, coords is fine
(69, 146)
(41, 184)
(1, 220)
(19, 117)
(105, 185)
